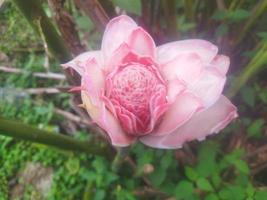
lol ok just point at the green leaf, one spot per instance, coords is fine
(84, 23)
(262, 35)
(99, 194)
(183, 25)
(242, 166)
(73, 165)
(256, 128)
(232, 192)
(166, 160)
(211, 196)
(232, 157)
(191, 173)
(204, 184)
(225, 194)
(184, 190)
(131, 6)
(144, 157)
(207, 164)
(222, 30)
(216, 180)
(220, 15)
(250, 190)
(238, 15)
(158, 176)
(260, 195)
(263, 96)
(248, 95)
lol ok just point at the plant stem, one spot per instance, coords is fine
(233, 4)
(25, 132)
(35, 15)
(169, 8)
(189, 9)
(119, 158)
(255, 14)
(95, 11)
(253, 67)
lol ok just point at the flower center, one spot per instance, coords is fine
(133, 87)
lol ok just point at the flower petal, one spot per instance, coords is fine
(185, 67)
(93, 81)
(79, 62)
(178, 113)
(209, 86)
(221, 63)
(102, 117)
(119, 55)
(123, 55)
(198, 127)
(204, 49)
(175, 87)
(142, 43)
(117, 32)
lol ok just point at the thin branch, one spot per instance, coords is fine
(48, 75)
(259, 168)
(72, 117)
(53, 90)
(257, 152)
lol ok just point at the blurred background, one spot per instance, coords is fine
(37, 35)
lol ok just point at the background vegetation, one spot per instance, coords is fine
(36, 36)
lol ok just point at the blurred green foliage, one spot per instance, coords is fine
(213, 174)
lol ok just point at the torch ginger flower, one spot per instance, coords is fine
(164, 96)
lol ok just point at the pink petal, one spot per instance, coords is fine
(209, 86)
(79, 62)
(93, 81)
(118, 57)
(102, 117)
(157, 106)
(186, 67)
(221, 63)
(123, 55)
(204, 49)
(175, 87)
(142, 43)
(178, 113)
(117, 32)
(198, 127)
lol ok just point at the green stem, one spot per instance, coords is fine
(119, 158)
(35, 15)
(189, 9)
(253, 67)
(233, 4)
(257, 12)
(169, 8)
(22, 131)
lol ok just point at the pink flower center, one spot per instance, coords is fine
(135, 91)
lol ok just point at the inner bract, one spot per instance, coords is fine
(131, 91)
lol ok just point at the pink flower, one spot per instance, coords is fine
(164, 96)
